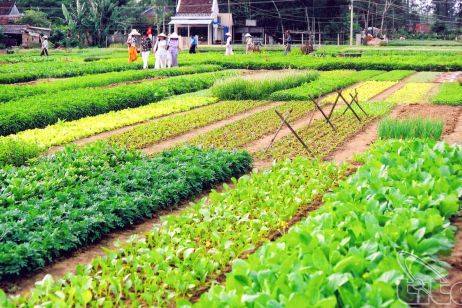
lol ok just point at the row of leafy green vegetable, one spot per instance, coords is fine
(187, 251)
(234, 134)
(14, 92)
(24, 72)
(449, 94)
(375, 240)
(420, 61)
(17, 149)
(41, 110)
(97, 192)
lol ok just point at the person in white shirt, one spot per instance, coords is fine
(229, 46)
(160, 50)
(44, 46)
(249, 46)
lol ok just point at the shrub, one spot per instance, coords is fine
(244, 89)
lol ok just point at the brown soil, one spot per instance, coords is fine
(68, 263)
(450, 295)
(449, 114)
(202, 130)
(455, 137)
(449, 77)
(388, 92)
(356, 144)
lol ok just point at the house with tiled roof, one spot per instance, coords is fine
(16, 34)
(9, 12)
(203, 19)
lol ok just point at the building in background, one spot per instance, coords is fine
(18, 35)
(201, 18)
(422, 28)
(9, 13)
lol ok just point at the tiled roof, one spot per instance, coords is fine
(6, 6)
(195, 7)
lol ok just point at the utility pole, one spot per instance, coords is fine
(351, 23)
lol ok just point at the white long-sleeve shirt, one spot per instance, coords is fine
(45, 44)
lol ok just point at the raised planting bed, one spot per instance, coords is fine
(109, 189)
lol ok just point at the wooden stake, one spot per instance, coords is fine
(279, 129)
(324, 115)
(293, 131)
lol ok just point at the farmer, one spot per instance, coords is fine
(131, 43)
(192, 48)
(229, 46)
(288, 43)
(249, 46)
(44, 46)
(173, 48)
(146, 46)
(160, 50)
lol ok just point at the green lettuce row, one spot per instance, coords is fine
(41, 110)
(258, 89)
(190, 249)
(352, 251)
(449, 94)
(24, 72)
(328, 82)
(163, 129)
(65, 169)
(240, 133)
(320, 138)
(14, 92)
(37, 230)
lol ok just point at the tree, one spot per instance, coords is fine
(34, 18)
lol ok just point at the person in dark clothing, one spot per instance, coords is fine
(192, 48)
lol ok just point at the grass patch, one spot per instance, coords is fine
(396, 75)
(411, 128)
(449, 94)
(424, 77)
(258, 89)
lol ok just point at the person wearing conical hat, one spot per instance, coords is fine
(160, 51)
(131, 42)
(229, 46)
(249, 46)
(44, 46)
(173, 49)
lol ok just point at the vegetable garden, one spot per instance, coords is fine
(245, 150)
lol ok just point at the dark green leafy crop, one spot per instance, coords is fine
(95, 191)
